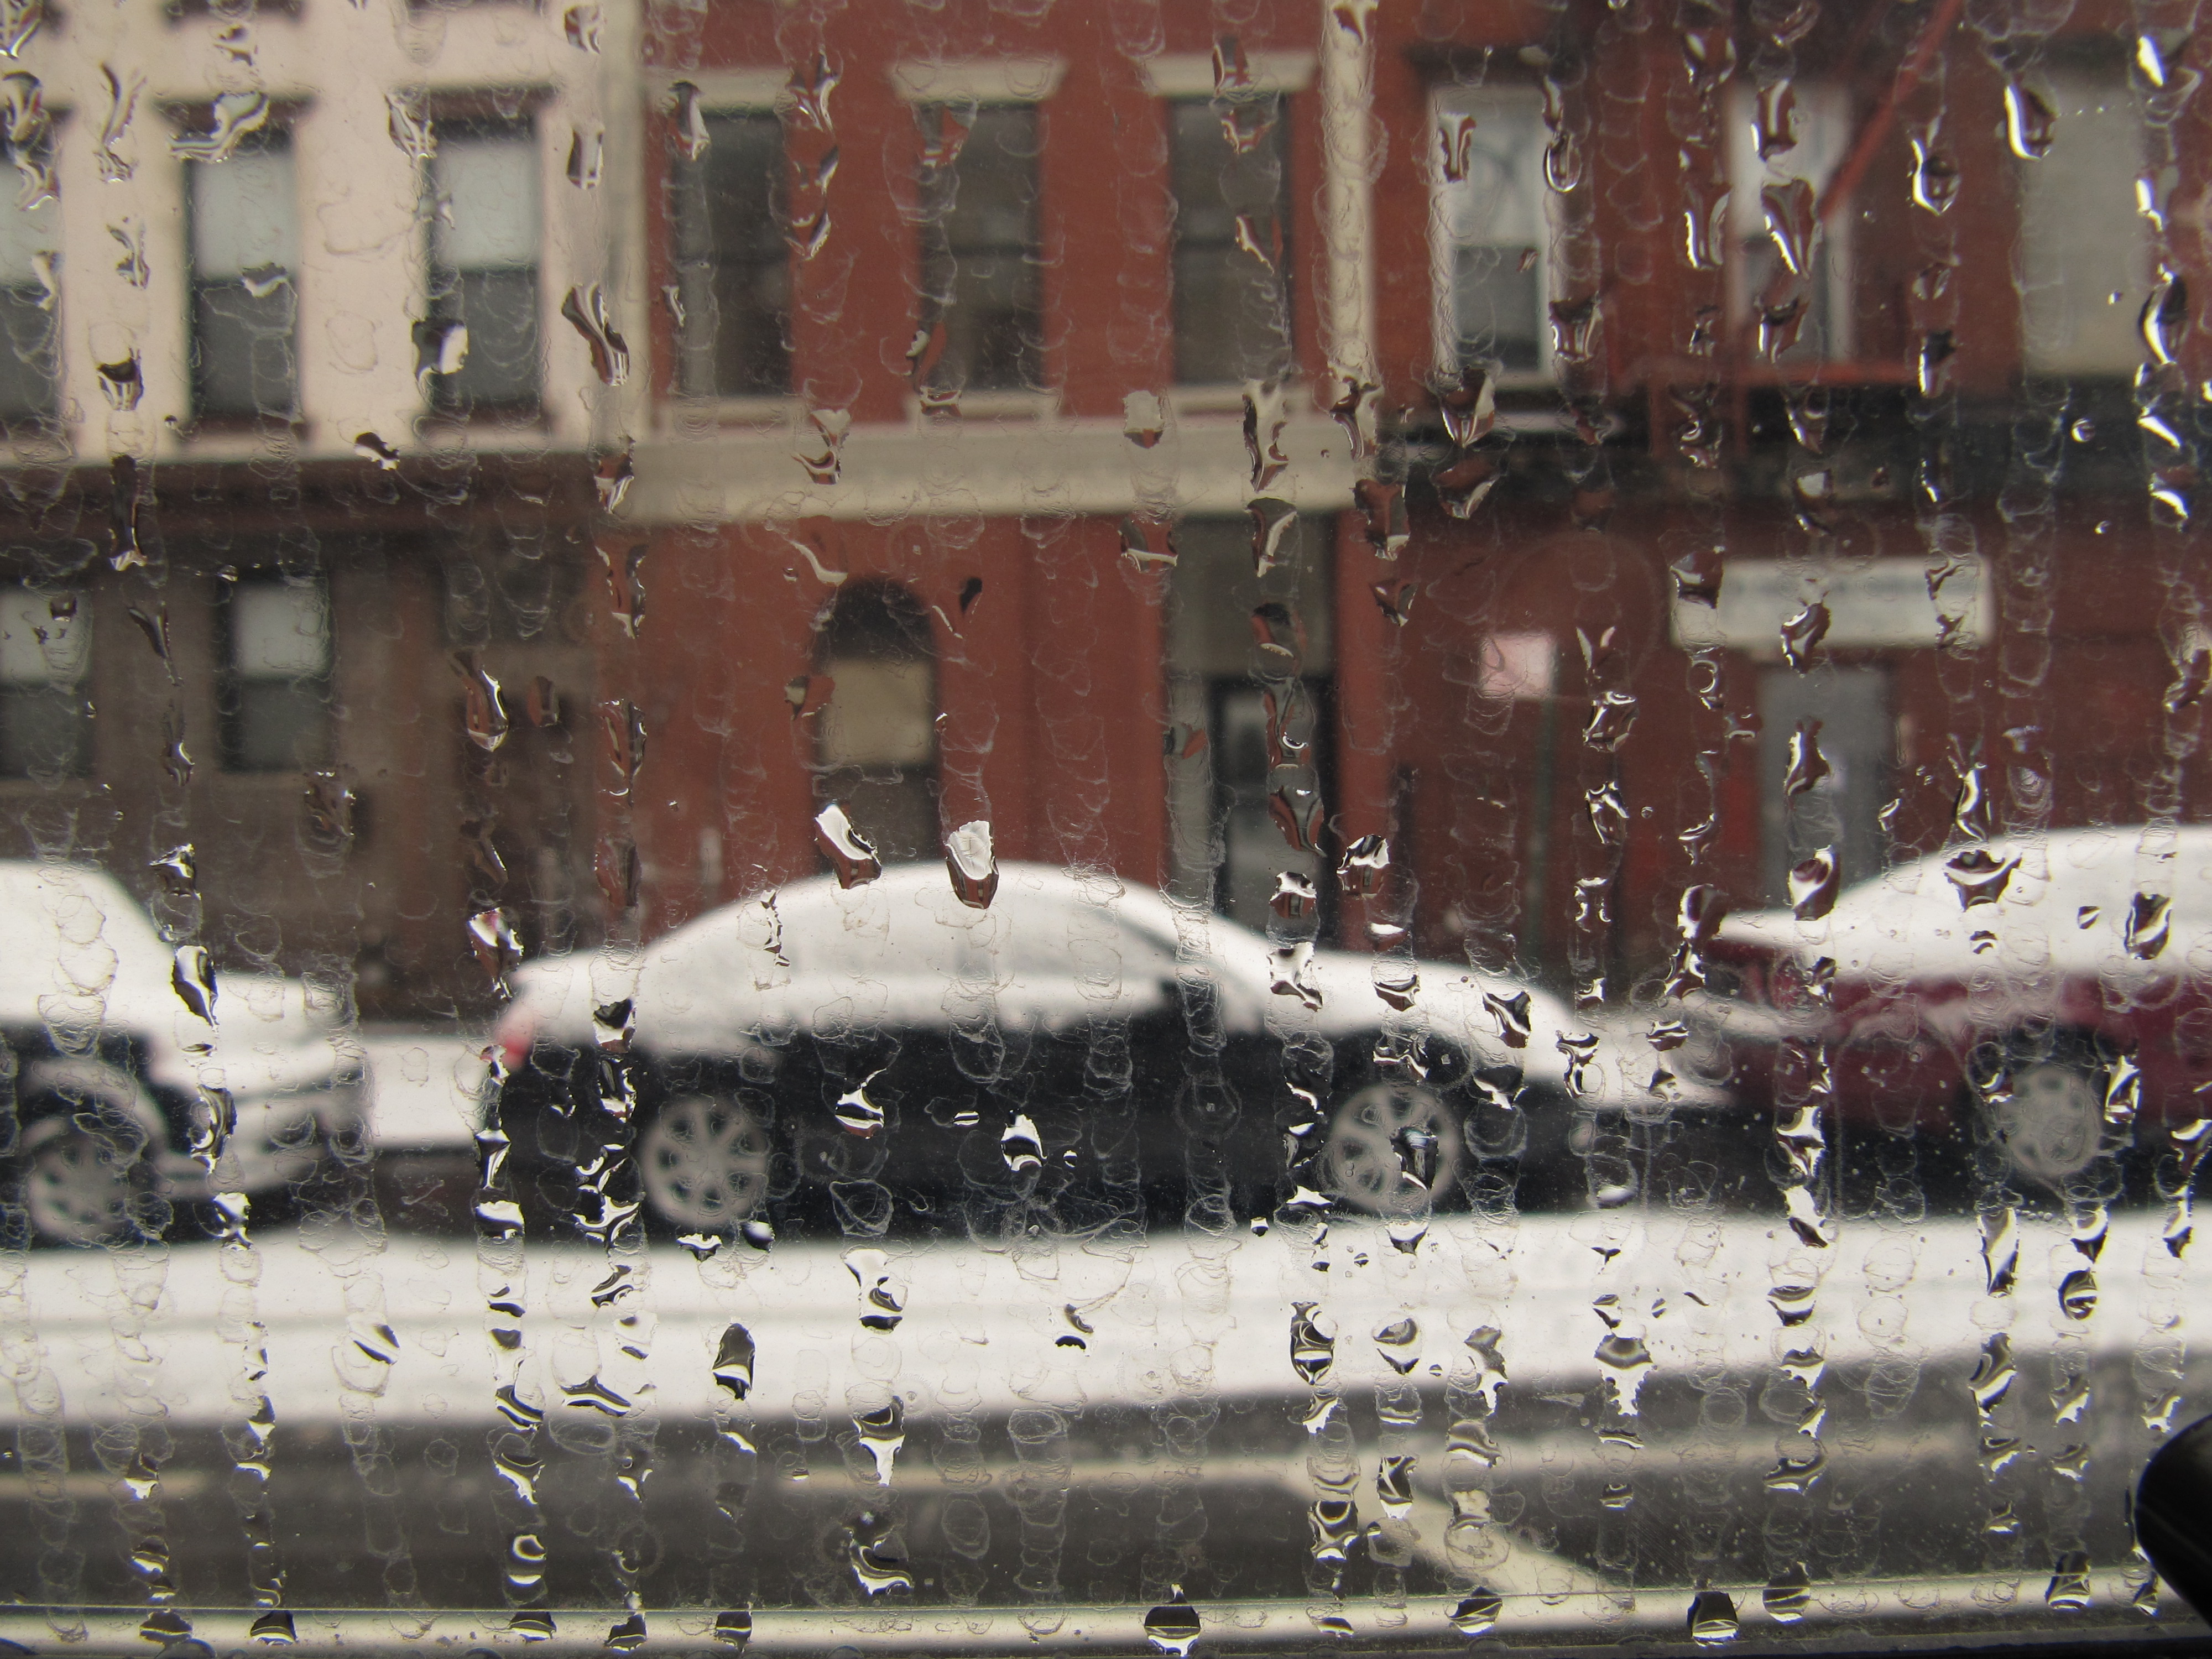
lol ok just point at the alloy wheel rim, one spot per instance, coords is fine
(1364, 1162)
(79, 1189)
(704, 1161)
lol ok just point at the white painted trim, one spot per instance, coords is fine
(728, 89)
(1190, 74)
(1348, 207)
(983, 80)
(892, 469)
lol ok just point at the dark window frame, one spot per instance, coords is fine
(204, 295)
(706, 257)
(954, 353)
(243, 699)
(1194, 239)
(480, 116)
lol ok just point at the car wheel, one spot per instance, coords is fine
(704, 1163)
(79, 1186)
(2049, 1127)
(1393, 1149)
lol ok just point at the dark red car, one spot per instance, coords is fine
(2029, 1018)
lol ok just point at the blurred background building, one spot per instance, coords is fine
(1500, 430)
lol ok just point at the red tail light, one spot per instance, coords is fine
(512, 1037)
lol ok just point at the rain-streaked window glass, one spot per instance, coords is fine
(244, 213)
(1250, 696)
(1789, 232)
(1199, 829)
(274, 674)
(1495, 229)
(481, 340)
(30, 367)
(46, 661)
(732, 263)
(982, 317)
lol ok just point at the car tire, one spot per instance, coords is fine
(704, 1163)
(1383, 1138)
(2049, 1130)
(81, 1186)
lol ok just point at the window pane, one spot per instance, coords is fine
(245, 214)
(278, 630)
(1496, 220)
(1231, 230)
(731, 260)
(979, 274)
(486, 187)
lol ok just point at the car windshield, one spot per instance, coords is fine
(1167, 827)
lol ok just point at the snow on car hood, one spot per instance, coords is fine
(82, 958)
(2119, 905)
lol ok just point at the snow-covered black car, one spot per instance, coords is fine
(1079, 1043)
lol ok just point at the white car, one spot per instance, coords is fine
(1079, 1039)
(142, 1080)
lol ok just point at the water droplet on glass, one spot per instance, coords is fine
(1143, 419)
(2029, 119)
(733, 1361)
(1815, 881)
(1476, 1612)
(1979, 876)
(1020, 1146)
(734, 1628)
(1807, 766)
(1774, 120)
(1791, 222)
(586, 308)
(1398, 1342)
(1801, 634)
(179, 869)
(1612, 717)
(193, 977)
(1313, 1349)
(1173, 1627)
(2165, 318)
(1934, 177)
(973, 863)
(1574, 329)
(2150, 920)
(230, 118)
(581, 25)
(1563, 163)
(483, 713)
(851, 855)
(882, 1433)
(1456, 146)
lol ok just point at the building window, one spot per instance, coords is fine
(275, 697)
(1791, 315)
(245, 249)
(2084, 246)
(1493, 234)
(878, 733)
(981, 314)
(481, 339)
(1231, 174)
(732, 265)
(29, 342)
(1249, 661)
(46, 659)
